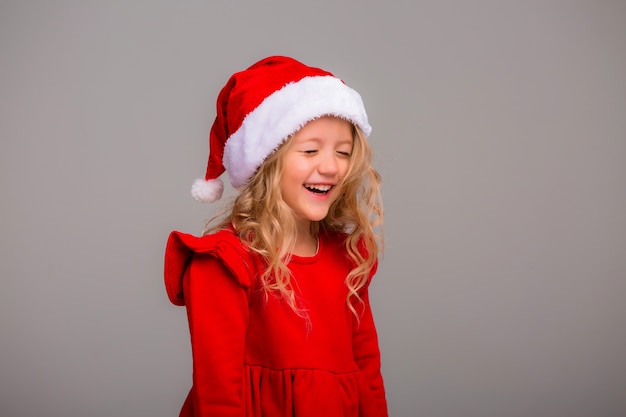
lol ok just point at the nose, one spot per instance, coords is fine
(328, 164)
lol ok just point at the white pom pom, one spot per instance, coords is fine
(207, 191)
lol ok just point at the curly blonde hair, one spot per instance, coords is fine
(265, 223)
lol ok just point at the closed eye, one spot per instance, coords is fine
(346, 154)
(310, 151)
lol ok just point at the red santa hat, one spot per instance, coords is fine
(260, 107)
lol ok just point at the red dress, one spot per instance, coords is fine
(252, 355)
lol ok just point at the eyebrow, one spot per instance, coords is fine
(347, 141)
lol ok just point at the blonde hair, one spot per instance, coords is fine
(263, 221)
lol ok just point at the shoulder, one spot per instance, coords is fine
(224, 246)
(338, 242)
(222, 242)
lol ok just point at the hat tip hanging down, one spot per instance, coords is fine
(207, 191)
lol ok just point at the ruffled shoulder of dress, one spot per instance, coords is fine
(223, 245)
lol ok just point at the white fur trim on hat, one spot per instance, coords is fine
(283, 113)
(207, 191)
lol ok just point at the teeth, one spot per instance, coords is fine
(318, 188)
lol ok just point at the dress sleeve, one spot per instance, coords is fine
(224, 245)
(217, 310)
(367, 352)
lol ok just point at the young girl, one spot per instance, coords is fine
(277, 293)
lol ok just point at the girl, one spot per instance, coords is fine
(277, 293)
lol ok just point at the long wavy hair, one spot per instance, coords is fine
(266, 224)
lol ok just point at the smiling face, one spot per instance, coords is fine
(315, 162)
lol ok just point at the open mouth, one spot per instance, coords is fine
(318, 188)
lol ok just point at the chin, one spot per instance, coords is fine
(314, 217)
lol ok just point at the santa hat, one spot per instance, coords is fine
(260, 107)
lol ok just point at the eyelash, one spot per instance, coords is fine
(312, 151)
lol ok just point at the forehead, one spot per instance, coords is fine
(327, 127)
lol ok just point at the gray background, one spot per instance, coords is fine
(499, 128)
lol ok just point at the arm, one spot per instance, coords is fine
(217, 310)
(367, 353)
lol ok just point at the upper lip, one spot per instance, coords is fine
(318, 183)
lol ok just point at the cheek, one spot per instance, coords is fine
(295, 170)
(344, 165)
(291, 177)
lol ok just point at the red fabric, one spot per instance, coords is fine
(252, 355)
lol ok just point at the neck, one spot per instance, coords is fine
(306, 243)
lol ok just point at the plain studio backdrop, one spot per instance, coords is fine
(500, 132)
